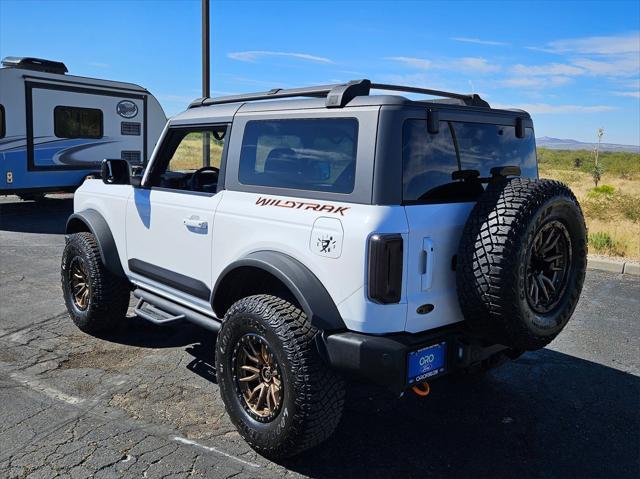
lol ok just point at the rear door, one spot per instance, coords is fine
(437, 205)
(72, 127)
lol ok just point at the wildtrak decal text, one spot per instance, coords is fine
(302, 205)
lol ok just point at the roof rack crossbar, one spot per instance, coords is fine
(320, 91)
(424, 91)
(337, 95)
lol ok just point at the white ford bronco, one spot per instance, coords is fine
(327, 233)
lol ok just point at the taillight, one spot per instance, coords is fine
(385, 268)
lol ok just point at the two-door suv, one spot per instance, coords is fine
(326, 233)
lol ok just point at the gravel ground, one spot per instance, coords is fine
(143, 402)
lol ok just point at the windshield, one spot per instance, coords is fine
(430, 159)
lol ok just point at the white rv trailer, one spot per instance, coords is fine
(55, 129)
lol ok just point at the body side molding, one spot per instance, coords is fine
(175, 280)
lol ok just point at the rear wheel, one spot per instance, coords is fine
(96, 299)
(276, 389)
(522, 262)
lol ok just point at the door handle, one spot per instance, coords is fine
(195, 223)
(426, 263)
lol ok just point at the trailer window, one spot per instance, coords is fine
(76, 122)
(3, 127)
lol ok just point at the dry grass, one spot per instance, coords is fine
(188, 156)
(614, 215)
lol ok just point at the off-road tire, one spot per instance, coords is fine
(494, 259)
(313, 397)
(109, 295)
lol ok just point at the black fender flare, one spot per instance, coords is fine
(98, 226)
(308, 290)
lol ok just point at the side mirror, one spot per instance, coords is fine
(115, 172)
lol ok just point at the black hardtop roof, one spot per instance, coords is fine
(340, 94)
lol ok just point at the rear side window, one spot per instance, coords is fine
(429, 160)
(3, 126)
(313, 154)
(76, 122)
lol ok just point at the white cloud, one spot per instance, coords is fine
(625, 65)
(478, 41)
(412, 62)
(465, 64)
(601, 45)
(536, 82)
(253, 55)
(632, 94)
(613, 56)
(547, 69)
(545, 108)
(476, 64)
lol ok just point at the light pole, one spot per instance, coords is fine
(206, 81)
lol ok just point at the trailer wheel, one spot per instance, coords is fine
(96, 299)
(277, 391)
(522, 262)
(32, 197)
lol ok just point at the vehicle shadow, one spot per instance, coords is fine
(45, 217)
(545, 415)
(143, 334)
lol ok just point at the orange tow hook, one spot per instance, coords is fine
(424, 392)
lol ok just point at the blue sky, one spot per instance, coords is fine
(574, 65)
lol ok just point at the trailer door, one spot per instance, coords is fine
(71, 127)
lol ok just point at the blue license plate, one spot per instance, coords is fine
(426, 362)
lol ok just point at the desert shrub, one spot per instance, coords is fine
(603, 243)
(630, 207)
(577, 163)
(603, 190)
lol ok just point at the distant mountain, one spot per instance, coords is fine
(568, 144)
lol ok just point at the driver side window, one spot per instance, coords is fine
(185, 166)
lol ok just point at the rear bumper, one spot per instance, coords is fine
(384, 359)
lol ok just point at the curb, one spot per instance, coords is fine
(611, 266)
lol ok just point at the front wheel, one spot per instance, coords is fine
(96, 299)
(276, 390)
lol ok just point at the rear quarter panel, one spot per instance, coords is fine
(249, 222)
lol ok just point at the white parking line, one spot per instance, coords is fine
(189, 442)
(44, 389)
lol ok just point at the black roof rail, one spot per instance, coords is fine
(37, 64)
(337, 95)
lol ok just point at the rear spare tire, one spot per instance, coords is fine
(521, 262)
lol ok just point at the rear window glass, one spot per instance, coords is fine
(314, 154)
(428, 160)
(76, 122)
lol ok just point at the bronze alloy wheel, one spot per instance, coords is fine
(79, 282)
(548, 267)
(258, 378)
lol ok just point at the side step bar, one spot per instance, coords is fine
(158, 310)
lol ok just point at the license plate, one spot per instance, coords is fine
(426, 362)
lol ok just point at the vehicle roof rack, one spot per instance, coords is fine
(38, 64)
(337, 95)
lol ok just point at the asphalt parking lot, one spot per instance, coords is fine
(143, 402)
